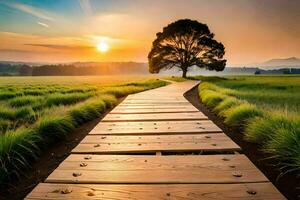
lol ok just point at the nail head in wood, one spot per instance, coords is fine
(66, 191)
(76, 174)
(237, 174)
(252, 192)
(87, 157)
(83, 164)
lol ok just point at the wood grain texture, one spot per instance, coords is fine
(155, 102)
(147, 106)
(154, 128)
(151, 139)
(176, 97)
(151, 110)
(158, 169)
(154, 117)
(151, 144)
(142, 162)
(263, 191)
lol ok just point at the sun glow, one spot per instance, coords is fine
(102, 46)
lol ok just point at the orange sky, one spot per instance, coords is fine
(68, 30)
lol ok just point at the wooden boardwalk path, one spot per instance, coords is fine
(156, 145)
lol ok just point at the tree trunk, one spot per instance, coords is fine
(184, 71)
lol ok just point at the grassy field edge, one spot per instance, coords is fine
(277, 134)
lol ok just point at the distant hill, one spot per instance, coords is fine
(293, 61)
(279, 63)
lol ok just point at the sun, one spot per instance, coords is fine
(102, 46)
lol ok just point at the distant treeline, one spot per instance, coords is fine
(76, 69)
(256, 70)
(14, 70)
(278, 71)
(113, 68)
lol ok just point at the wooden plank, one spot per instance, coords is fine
(246, 191)
(172, 162)
(154, 117)
(118, 110)
(125, 139)
(156, 102)
(162, 95)
(151, 144)
(150, 106)
(160, 127)
(159, 169)
(151, 99)
(155, 98)
(145, 106)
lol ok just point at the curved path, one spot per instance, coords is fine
(156, 145)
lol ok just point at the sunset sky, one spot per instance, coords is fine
(74, 30)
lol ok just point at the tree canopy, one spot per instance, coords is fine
(185, 43)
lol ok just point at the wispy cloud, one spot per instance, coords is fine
(86, 6)
(14, 51)
(43, 24)
(37, 12)
(62, 47)
(52, 46)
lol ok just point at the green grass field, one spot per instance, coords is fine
(270, 93)
(38, 111)
(266, 108)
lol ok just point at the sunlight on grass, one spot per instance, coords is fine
(266, 108)
(44, 110)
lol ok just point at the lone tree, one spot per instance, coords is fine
(185, 43)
